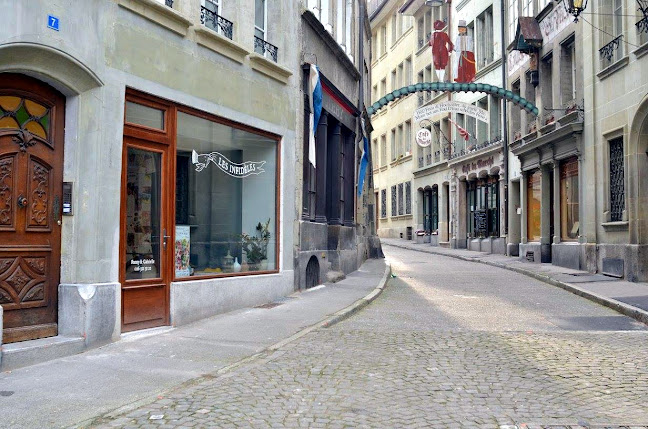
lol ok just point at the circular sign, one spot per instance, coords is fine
(424, 137)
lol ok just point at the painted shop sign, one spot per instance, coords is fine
(515, 60)
(424, 137)
(477, 165)
(550, 27)
(428, 112)
(245, 169)
(554, 23)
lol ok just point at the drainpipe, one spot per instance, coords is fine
(504, 122)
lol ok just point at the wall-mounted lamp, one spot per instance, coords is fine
(575, 7)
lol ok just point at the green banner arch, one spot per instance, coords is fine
(454, 87)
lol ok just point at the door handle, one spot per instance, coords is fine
(164, 238)
(22, 202)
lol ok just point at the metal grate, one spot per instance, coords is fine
(617, 186)
(530, 256)
(400, 199)
(383, 203)
(265, 48)
(216, 22)
(394, 207)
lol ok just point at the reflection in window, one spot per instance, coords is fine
(225, 222)
(533, 205)
(569, 223)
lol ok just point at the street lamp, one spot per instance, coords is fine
(575, 7)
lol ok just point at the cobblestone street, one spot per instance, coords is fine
(448, 344)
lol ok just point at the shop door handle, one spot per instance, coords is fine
(164, 238)
(22, 202)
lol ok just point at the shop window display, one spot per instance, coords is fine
(534, 196)
(225, 199)
(569, 221)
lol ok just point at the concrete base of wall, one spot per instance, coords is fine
(90, 311)
(513, 249)
(196, 300)
(566, 255)
(632, 257)
(474, 244)
(458, 243)
(434, 240)
(530, 252)
(337, 248)
(421, 239)
(498, 246)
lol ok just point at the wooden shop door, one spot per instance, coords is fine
(31, 174)
(146, 237)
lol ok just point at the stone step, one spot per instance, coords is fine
(445, 244)
(25, 353)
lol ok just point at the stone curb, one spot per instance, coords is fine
(326, 323)
(621, 307)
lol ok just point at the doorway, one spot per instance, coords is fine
(145, 242)
(31, 177)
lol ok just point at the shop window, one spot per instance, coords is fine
(617, 177)
(534, 197)
(471, 201)
(492, 204)
(569, 222)
(229, 179)
(146, 116)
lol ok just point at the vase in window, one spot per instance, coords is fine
(236, 267)
(256, 246)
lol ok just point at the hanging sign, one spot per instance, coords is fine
(424, 137)
(245, 169)
(428, 112)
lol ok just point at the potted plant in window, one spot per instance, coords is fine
(256, 246)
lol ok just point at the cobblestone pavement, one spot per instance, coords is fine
(448, 344)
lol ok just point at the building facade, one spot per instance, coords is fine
(335, 224)
(582, 162)
(146, 164)
(457, 182)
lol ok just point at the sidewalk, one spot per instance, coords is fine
(146, 364)
(625, 297)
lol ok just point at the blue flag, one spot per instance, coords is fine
(315, 86)
(364, 160)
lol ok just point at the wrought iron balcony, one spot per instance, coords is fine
(216, 22)
(642, 26)
(262, 47)
(608, 52)
(472, 146)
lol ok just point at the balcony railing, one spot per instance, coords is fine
(472, 146)
(216, 22)
(609, 53)
(265, 48)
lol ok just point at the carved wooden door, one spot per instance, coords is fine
(31, 172)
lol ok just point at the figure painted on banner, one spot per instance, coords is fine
(441, 48)
(465, 65)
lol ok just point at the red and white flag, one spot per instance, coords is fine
(462, 131)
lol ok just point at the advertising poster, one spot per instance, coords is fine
(182, 242)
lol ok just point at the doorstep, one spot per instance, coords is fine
(26, 353)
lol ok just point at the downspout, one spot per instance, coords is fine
(504, 122)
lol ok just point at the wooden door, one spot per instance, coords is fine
(146, 241)
(31, 174)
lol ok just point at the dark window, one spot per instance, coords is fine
(394, 207)
(408, 197)
(400, 199)
(617, 186)
(383, 203)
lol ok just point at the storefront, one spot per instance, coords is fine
(199, 201)
(551, 211)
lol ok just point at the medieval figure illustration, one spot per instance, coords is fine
(441, 48)
(465, 65)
